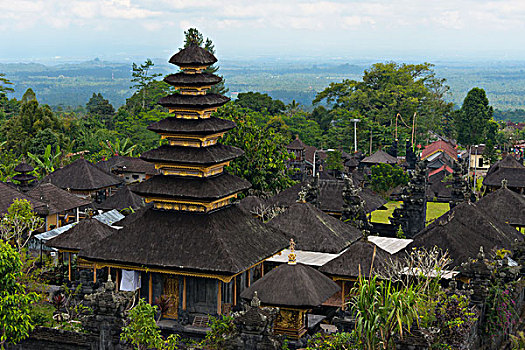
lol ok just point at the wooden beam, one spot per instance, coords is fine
(69, 265)
(219, 297)
(150, 288)
(248, 277)
(94, 273)
(235, 291)
(184, 293)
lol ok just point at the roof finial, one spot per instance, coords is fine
(504, 183)
(292, 258)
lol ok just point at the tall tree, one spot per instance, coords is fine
(259, 102)
(474, 123)
(98, 105)
(29, 95)
(5, 85)
(142, 76)
(193, 36)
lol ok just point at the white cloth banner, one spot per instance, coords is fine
(130, 281)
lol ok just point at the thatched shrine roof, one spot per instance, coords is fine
(506, 169)
(296, 144)
(192, 126)
(313, 230)
(463, 230)
(225, 241)
(297, 286)
(23, 168)
(23, 177)
(193, 55)
(127, 164)
(57, 199)
(505, 205)
(192, 155)
(380, 157)
(207, 188)
(123, 198)
(357, 259)
(82, 235)
(209, 100)
(251, 203)
(8, 195)
(82, 175)
(185, 79)
(331, 197)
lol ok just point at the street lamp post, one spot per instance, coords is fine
(315, 152)
(355, 121)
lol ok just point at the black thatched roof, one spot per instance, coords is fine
(463, 230)
(207, 188)
(122, 199)
(23, 177)
(379, 157)
(331, 197)
(23, 168)
(82, 175)
(509, 169)
(122, 164)
(209, 100)
(250, 203)
(225, 241)
(8, 194)
(57, 199)
(192, 126)
(357, 259)
(296, 144)
(505, 205)
(297, 286)
(313, 230)
(193, 55)
(185, 79)
(217, 153)
(133, 216)
(82, 235)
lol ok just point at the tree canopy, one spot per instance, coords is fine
(474, 121)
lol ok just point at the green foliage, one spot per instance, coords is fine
(8, 163)
(100, 107)
(265, 154)
(47, 162)
(222, 328)
(474, 123)
(385, 177)
(117, 148)
(5, 85)
(400, 233)
(146, 98)
(29, 95)
(334, 161)
(501, 313)
(382, 310)
(518, 341)
(18, 223)
(386, 90)
(454, 319)
(336, 341)
(142, 77)
(15, 302)
(259, 102)
(143, 333)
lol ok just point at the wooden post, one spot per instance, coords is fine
(184, 293)
(249, 279)
(150, 288)
(219, 297)
(94, 273)
(235, 290)
(117, 282)
(69, 265)
(262, 270)
(342, 295)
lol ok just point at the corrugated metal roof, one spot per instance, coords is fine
(108, 218)
(305, 257)
(390, 244)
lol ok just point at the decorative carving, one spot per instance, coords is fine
(171, 291)
(354, 207)
(292, 258)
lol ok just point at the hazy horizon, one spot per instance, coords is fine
(378, 30)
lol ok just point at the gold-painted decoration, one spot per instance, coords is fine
(171, 291)
(290, 322)
(191, 140)
(187, 205)
(292, 258)
(191, 170)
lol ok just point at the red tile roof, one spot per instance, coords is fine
(437, 147)
(444, 167)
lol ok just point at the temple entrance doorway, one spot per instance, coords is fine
(171, 291)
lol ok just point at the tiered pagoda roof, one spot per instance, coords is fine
(191, 216)
(24, 175)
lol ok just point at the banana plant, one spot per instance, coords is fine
(48, 162)
(118, 148)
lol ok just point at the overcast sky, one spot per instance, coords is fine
(373, 29)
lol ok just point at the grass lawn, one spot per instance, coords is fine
(434, 210)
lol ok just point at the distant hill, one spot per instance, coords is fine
(73, 84)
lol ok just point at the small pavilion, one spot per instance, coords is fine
(508, 168)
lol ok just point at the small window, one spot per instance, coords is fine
(480, 162)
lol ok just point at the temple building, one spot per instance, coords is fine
(130, 169)
(192, 245)
(508, 169)
(24, 179)
(84, 179)
(379, 157)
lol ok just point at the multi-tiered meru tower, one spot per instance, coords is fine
(193, 245)
(192, 163)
